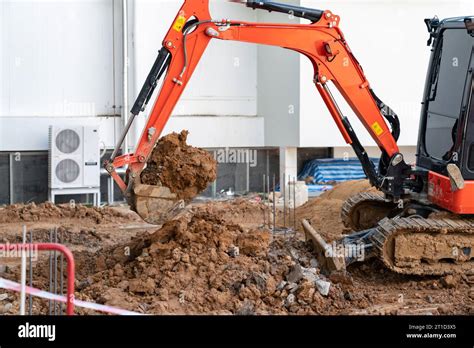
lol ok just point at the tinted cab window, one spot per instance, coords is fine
(448, 83)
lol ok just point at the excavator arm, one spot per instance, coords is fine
(321, 41)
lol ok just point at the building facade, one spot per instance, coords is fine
(62, 63)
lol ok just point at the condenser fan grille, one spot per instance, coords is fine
(67, 171)
(68, 141)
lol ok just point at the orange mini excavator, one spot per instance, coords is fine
(420, 223)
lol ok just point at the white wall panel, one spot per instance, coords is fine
(57, 58)
(389, 40)
(225, 81)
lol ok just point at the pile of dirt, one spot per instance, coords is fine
(204, 263)
(185, 170)
(241, 211)
(48, 212)
(199, 264)
(81, 237)
(324, 212)
(345, 190)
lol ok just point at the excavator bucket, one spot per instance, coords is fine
(326, 257)
(155, 204)
(175, 174)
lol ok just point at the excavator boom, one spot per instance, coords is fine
(410, 235)
(321, 41)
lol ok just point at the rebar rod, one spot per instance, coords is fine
(50, 272)
(30, 298)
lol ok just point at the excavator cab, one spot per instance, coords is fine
(431, 232)
(446, 138)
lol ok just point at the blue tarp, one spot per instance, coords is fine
(334, 170)
(315, 189)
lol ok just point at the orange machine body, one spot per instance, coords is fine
(322, 42)
(440, 192)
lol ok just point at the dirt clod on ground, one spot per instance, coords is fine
(240, 211)
(48, 211)
(200, 264)
(324, 212)
(185, 170)
(345, 190)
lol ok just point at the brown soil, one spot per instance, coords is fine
(205, 262)
(240, 211)
(48, 212)
(200, 264)
(348, 189)
(185, 170)
(324, 212)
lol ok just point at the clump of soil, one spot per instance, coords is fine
(200, 264)
(324, 212)
(185, 170)
(345, 190)
(48, 211)
(239, 211)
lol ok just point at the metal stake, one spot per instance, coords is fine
(50, 272)
(23, 275)
(55, 270)
(264, 205)
(61, 305)
(30, 298)
(268, 191)
(274, 204)
(294, 204)
(284, 200)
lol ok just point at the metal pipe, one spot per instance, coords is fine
(125, 71)
(50, 272)
(268, 200)
(71, 267)
(274, 203)
(23, 275)
(284, 199)
(55, 270)
(264, 205)
(294, 203)
(122, 137)
(61, 276)
(30, 298)
(10, 173)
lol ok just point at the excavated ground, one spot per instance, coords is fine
(208, 262)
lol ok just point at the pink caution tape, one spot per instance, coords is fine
(10, 285)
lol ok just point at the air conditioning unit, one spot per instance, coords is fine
(74, 157)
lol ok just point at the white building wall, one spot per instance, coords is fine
(223, 88)
(279, 88)
(389, 40)
(57, 63)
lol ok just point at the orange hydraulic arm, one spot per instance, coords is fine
(322, 42)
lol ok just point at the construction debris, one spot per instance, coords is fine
(190, 258)
(49, 212)
(216, 259)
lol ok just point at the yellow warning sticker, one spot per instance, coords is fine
(179, 23)
(377, 129)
